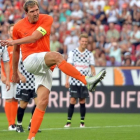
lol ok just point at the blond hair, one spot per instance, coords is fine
(83, 36)
(30, 3)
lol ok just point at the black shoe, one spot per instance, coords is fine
(19, 129)
(30, 127)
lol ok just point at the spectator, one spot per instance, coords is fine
(124, 14)
(135, 35)
(71, 42)
(113, 13)
(112, 32)
(64, 13)
(100, 15)
(115, 51)
(112, 62)
(77, 14)
(127, 62)
(43, 6)
(54, 44)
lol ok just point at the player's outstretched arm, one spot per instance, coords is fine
(29, 39)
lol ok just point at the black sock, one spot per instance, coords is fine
(33, 109)
(70, 111)
(82, 112)
(32, 114)
(20, 114)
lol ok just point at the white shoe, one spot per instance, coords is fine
(33, 138)
(67, 125)
(82, 125)
(92, 81)
(12, 128)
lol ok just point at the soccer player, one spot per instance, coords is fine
(32, 34)
(25, 92)
(11, 103)
(83, 61)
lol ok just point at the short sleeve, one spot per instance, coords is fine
(70, 57)
(45, 26)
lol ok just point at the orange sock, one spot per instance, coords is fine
(71, 71)
(8, 110)
(14, 111)
(36, 122)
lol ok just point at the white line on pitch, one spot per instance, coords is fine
(94, 127)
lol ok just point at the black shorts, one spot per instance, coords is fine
(78, 92)
(25, 95)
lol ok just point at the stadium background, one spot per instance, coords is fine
(113, 27)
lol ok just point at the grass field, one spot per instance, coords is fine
(98, 127)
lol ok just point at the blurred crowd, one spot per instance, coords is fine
(113, 27)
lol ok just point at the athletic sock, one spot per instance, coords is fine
(70, 112)
(8, 109)
(36, 122)
(14, 111)
(32, 114)
(71, 71)
(20, 114)
(33, 109)
(82, 112)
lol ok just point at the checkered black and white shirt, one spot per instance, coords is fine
(29, 77)
(82, 62)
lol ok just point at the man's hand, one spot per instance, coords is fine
(6, 42)
(67, 84)
(23, 79)
(15, 78)
(7, 83)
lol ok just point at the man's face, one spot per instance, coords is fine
(83, 43)
(33, 14)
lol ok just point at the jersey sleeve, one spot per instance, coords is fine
(70, 57)
(92, 62)
(5, 55)
(45, 27)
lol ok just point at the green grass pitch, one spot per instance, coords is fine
(99, 126)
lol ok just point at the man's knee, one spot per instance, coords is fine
(43, 102)
(54, 57)
(23, 104)
(73, 100)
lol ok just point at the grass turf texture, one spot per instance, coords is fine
(99, 126)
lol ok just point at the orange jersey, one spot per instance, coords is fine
(24, 28)
(10, 52)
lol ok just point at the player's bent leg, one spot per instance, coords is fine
(53, 58)
(43, 98)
